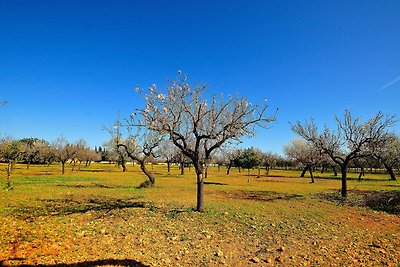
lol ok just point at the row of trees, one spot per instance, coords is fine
(39, 151)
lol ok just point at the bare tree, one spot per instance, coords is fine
(197, 126)
(140, 147)
(30, 150)
(269, 160)
(351, 140)
(167, 152)
(63, 151)
(389, 154)
(10, 151)
(305, 153)
(231, 156)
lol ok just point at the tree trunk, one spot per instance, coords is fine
(343, 170)
(182, 168)
(311, 173)
(322, 168)
(239, 169)
(62, 167)
(259, 172)
(229, 168)
(169, 166)
(361, 173)
(148, 174)
(389, 169)
(266, 170)
(73, 166)
(200, 186)
(304, 171)
(9, 166)
(28, 164)
(219, 167)
(123, 166)
(334, 171)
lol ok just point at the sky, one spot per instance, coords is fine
(70, 67)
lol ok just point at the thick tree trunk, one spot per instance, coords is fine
(148, 174)
(343, 170)
(311, 173)
(182, 168)
(229, 168)
(62, 167)
(389, 169)
(123, 166)
(304, 171)
(200, 187)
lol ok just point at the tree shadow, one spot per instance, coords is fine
(91, 186)
(110, 262)
(386, 201)
(68, 206)
(214, 183)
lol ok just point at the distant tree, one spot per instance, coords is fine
(232, 156)
(10, 151)
(198, 126)
(30, 150)
(167, 151)
(269, 160)
(305, 153)
(249, 158)
(352, 139)
(63, 151)
(388, 154)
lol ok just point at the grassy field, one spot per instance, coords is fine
(97, 217)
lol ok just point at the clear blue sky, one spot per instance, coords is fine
(68, 67)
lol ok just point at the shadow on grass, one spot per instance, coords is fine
(386, 201)
(91, 186)
(108, 262)
(263, 195)
(214, 183)
(67, 206)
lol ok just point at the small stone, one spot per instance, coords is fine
(282, 249)
(255, 260)
(219, 254)
(280, 259)
(269, 260)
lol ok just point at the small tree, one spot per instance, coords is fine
(10, 151)
(305, 153)
(351, 140)
(250, 158)
(139, 147)
(198, 126)
(63, 151)
(389, 154)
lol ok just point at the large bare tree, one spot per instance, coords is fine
(351, 140)
(197, 125)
